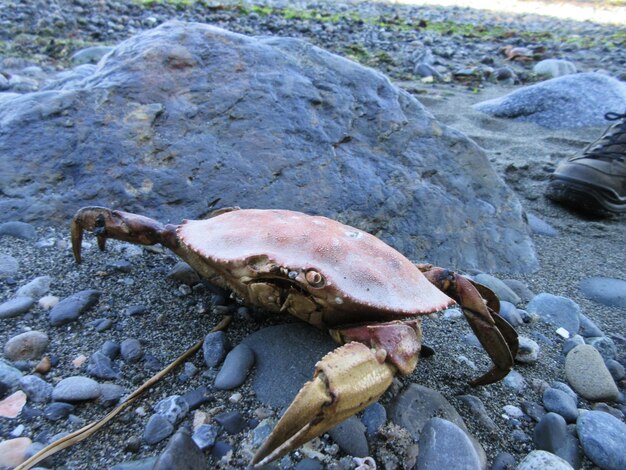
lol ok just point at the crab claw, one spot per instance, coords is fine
(345, 381)
(106, 223)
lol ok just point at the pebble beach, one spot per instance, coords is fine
(77, 339)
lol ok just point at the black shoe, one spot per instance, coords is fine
(595, 181)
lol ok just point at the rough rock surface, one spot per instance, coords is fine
(178, 116)
(570, 101)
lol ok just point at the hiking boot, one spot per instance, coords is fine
(596, 180)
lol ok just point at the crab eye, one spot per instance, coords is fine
(314, 278)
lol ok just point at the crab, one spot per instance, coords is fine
(333, 276)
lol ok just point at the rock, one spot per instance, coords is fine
(617, 370)
(36, 288)
(197, 397)
(503, 291)
(605, 346)
(509, 312)
(15, 307)
(559, 402)
(528, 351)
(90, 55)
(131, 350)
(445, 445)
(232, 422)
(48, 301)
(204, 436)
(567, 102)
(556, 310)
(605, 290)
(520, 289)
(349, 435)
(374, 416)
(515, 380)
(503, 461)
(541, 227)
(554, 67)
(181, 453)
(157, 429)
(278, 349)
(214, 348)
(70, 308)
(173, 408)
(550, 432)
(12, 405)
(100, 366)
(9, 375)
(58, 410)
(37, 390)
(273, 89)
(13, 451)
(603, 439)
(588, 328)
(588, 376)
(141, 464)
(16, 229)
(8, 266)
(235, 369)
(572, 342)
(542, 460)
(183, 273)
(76, 388)
(110, 394)
(477, 407)
(25, 346)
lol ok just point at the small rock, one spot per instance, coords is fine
(101, 367)
(183, 273)
(19, 230)
(556, 310)
(541, 227)
(559, 402)
(542, 460)
(588, 328)
(37, 390)
(70, 308)
(554, 67)
(572, 342)
(197, 397)
(520, 289)
(214, 348)
(135, 310)
(235, 369)
(350, 436)
(588, 376)
(204, 436)
(141, 464)
(15, 307)
(110, 394)
(90, 55)
(528, 351)
(605, 346)
(550, 432)
(603, 439)
(181, 448)
(173, 408)
(36, 288)
(515, 380)
(503, 461)
(157, 429)
(8, 266)
(616, 369)
(78, 361)
(13, 451)
(26, 346)
(76, 388)
(509, 312)
(131, 350)
(48, 301)
(58, 410)
(604, 290)
(445, 445)
(111, 349)
(503, 291)
(232, 422)
(12, 405)
(477, 407)
(9, 375)
(374, 416)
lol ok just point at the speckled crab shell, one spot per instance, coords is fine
(362, 277)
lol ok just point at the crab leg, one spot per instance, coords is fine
(494, 333)
(106, 223)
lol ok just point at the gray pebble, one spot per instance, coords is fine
(135, 310)
(503, 461)
(572, 342)
(509, 312)
(197, 397)
(141, 464)
(17, 229)
(515, 380)
(182, 453)
(503, 291)
(183, 273)
(533, 409)
(204, 436)
(36, 389)
(8, 266)
(110, 394)
(374, 417)
(131, 350)
(554, 67)
(231, 421)
(541, 227)
(445, 445)
(520, 289)
(173, 408)
(542, 460)
(603, 439)
(565, 388)
(76, 388)
(101, 367)
(36, 288)
(214, 348)
(588, 328)
(9, 375)
(90, 55)
(588, 376)
(110, 348)
(561, 403)
(16, 306)
(157, 429)
(70, 308)
(25, 346)
(528, 351)
(58, 410)
(235, 369)
(556, 310)
(477, 408)
(616, 369)
(604, 290)
(349, 435)
(605, 346)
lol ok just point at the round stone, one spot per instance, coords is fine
(541, 460)
(445, 445)
(587, 374)
(14, 307)
(604, 290)
(26, 346)
(76, 388)
(603, 439)
(556, 310)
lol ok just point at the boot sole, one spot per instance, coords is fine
(584, 197)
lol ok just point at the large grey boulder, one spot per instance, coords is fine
(567, 102)
(178, 116)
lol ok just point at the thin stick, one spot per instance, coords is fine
(86, 431)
